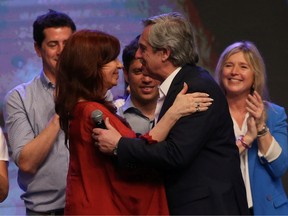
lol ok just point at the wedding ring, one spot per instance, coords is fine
(197, 109)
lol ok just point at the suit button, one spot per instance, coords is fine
(269, 197)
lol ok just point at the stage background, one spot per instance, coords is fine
(217, 24)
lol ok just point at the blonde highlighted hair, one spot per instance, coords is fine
(254, 59)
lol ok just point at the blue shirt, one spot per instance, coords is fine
(28, 108)
(137, 120)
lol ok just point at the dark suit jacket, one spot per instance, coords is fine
(199, 158)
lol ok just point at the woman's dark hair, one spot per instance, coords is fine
(79, 71)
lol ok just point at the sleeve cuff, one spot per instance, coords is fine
(148, 138)
(273, 152)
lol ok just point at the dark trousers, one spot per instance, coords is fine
(251, 212)
(52, 212)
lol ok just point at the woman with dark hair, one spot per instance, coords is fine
(87, 68)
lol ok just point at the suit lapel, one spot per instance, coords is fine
(174, 89)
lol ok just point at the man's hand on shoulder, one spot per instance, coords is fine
(106, 139)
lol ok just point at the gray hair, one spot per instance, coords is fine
(173, 32)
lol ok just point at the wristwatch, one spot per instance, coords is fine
(263, 132)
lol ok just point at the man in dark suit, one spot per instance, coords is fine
(199, 158)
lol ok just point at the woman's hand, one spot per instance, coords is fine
(255, 107)
(251, 133)
(246, 141)
(186, 104)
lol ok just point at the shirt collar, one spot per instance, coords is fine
(45, 81)
(128, 104)
(130, 107)
(240, 131)
(164, 87)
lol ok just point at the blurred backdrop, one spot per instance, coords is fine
(217, 24)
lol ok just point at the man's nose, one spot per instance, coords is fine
(138, 54)
(60, 48)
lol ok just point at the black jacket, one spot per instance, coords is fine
(199, 158)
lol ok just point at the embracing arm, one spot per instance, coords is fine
(184, 104)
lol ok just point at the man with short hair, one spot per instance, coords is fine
(199, 158)
(34, 133)
(139, 107)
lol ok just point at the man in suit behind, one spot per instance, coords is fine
(199, 158)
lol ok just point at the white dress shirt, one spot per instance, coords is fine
(163, 90)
